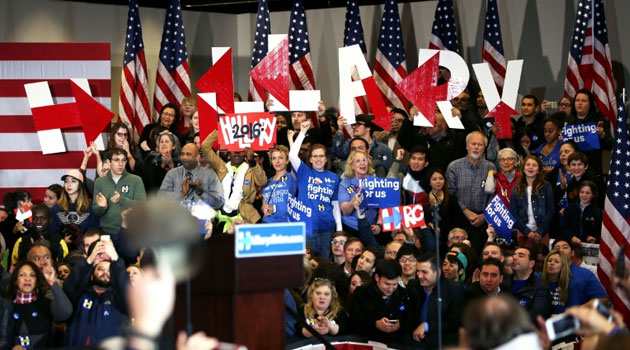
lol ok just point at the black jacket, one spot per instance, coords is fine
(582, 223)
(534, 297)
(452, 306)
(368, 306)
(441, 152)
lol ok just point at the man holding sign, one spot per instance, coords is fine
(239, 179)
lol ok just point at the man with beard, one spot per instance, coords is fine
(96, 287)
(39, 230)
(466, 179)
(192, 182)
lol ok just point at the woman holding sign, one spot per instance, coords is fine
(358, 167)
(532, 204)
(276, 192)
(317, 187)
(585, 113)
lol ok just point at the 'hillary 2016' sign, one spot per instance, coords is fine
(254, 130)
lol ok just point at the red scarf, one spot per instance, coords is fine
(25, 298)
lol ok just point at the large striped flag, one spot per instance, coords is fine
(263, 29)
(589, 64)
(390, 66)
(492, 52)
(353, 35)
(22, 164)
(301, 67)
(444, 32)
(133, 104)
(616, 218)
(172, 83)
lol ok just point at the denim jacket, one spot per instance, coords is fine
(542, 205)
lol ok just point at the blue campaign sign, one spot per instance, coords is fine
(499, 216)
(299, 211)
(270, 240)
(381, 192)
(585, 135)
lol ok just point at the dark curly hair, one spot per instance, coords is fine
(41, 286)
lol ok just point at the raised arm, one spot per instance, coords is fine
(295, 148)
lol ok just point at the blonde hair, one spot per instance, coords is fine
(333, 308)
(563, 277)
(282, 149)
(349, 172)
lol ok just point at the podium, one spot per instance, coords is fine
(240, 300)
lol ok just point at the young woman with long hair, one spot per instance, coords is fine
(557, 275)
(532, 204)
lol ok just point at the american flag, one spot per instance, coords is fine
(22, 164)
(444, 32)
(172, 83)
(263, 29)
(390, 66)
(616, 218)
(353, 35)
(301, 67)
(133, 104)
(589, 64)
(492, 52)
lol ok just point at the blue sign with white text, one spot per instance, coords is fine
(499, 216)
(585, 135)
(381, 192)
(270, 239)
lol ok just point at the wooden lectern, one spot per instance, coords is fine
(240, 300)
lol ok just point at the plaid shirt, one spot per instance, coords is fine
(467, 182)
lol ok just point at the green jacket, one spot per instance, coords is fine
(130, 188)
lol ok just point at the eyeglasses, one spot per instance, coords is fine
(407, 260)
(122, 134)
(364, 160)
(337, 242)
(508, 159)
(168, 114)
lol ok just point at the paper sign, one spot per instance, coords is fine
(254, 130)
(499, 216)
(352, 60)
(380, 192)
(304, 100)
(585, 135)
(501, 108)
(249, 107)
(446, 109)
(208, 114)
(219, 79)
(272, 72)
(299, 211)
(404, 216)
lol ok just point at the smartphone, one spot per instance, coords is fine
(561, 326)
(105, 238)
(392, 321)
(620, 269)
(603, 310)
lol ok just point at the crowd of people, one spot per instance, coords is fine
(67, 266)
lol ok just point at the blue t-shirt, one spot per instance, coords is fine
(557, 305)
(276, 193)
(319, 190)
(588, 286)
(551, 160)
(347, 190)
